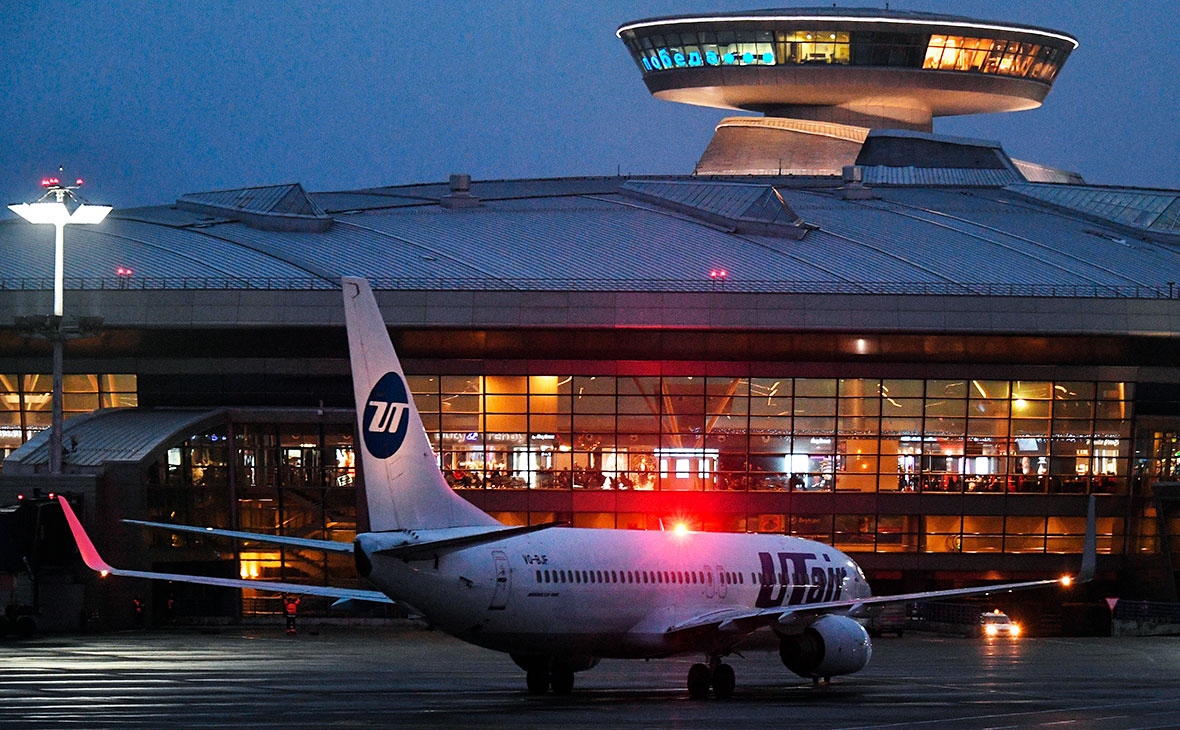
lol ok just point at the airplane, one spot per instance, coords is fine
(558, 599)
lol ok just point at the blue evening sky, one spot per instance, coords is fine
(148, 100)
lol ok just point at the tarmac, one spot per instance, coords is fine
(368, 678)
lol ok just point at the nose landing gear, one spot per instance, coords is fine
(716, 674)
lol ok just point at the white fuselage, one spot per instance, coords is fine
(609, 593)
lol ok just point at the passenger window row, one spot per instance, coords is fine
(667, 577)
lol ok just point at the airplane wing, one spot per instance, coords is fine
(95, 562)
(434, 548)
(745, 621)
(741, 622)
(331, 546)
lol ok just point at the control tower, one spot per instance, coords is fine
(824, 77)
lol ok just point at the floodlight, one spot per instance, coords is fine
(90, 214)
(51, 209)
(48, 213)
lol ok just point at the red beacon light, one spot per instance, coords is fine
(718, 274)
(78, 181)
(123, 271)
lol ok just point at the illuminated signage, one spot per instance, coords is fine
(663, 59)
(473, 437)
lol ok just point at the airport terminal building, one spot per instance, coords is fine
(840, 326)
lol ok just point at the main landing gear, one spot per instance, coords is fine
(542, 675)
(715, 674)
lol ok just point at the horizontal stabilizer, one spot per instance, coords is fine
(331, 546)
(427, 550)
(95, 562)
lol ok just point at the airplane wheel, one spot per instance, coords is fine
(724, 681)
(698, 681)
(538, 681)
(561, 679)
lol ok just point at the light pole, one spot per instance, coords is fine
(58, 207)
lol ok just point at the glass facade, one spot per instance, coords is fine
(656, 49)
(881, 533)
(290, 479)
(26, 401)
(693, 433)
(1157, 459)
(767, 438)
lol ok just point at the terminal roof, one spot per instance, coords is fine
(954, 227)
(128, 435)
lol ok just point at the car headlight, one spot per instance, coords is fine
(991, 630)
(1015, 630)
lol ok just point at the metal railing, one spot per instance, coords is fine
(1147, 611)
(704, 285)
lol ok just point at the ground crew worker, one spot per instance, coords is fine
(290, 608)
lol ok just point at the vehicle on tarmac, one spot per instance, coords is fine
(996, 624)
(34, 555)
(558, 599)
(890, 619)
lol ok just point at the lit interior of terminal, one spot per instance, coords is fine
(25, 401)
(656, 51)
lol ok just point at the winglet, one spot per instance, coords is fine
(90, 554)
(1090, 547)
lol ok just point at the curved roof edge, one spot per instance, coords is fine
(851, 15)
(126, 435)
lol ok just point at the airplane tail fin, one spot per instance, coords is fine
(403, 485)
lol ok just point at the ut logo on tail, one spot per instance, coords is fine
(386, 416)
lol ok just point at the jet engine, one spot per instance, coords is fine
(828, 647)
